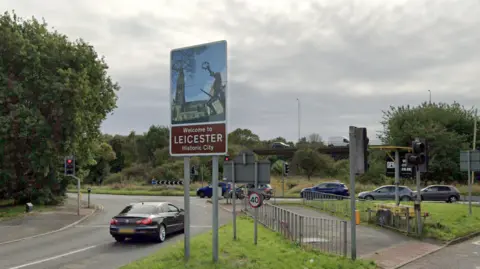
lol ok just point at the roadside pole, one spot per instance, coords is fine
(469, 157)
(234, 197)
(352, 160)
(186, 201)
(397, 176)
(474, 146)
(255, 225)
(78, 194)
(283, 180)
(215, 208)
(418, 202)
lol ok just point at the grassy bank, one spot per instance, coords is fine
(445, 221)
(272, 251)
(291, 188)
(9, 210)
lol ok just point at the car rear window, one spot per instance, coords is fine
(139, 209)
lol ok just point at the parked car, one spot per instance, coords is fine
(335, 188)
(265, 189)
(207, 191)
(446, 193)
(154, 220)
(387, 192)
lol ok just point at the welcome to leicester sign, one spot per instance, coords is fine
(198, 94)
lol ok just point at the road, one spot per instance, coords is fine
(465, 255)
(89, 244)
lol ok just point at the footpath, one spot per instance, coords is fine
(387, 248)
(39, 223)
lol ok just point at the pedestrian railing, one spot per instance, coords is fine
(326, 235)
(401, 218)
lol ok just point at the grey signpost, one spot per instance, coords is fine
(234, 197)
(245, 169)
(470, 162)
(397, 176)
(199, 127)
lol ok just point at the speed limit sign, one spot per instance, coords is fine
(255, 200)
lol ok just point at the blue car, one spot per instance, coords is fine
(207, 191)
(334, 188)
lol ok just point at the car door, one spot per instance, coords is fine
(444, 193)
(430, 193)
(321, 188)
(333, 188)
(381, 193)
(177, 218)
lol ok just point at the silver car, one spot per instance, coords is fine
(446, 193)
(387, 192)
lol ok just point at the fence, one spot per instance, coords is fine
(400, 218)
(326, 235)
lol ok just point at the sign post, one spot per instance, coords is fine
(198, 116)
(470, 162)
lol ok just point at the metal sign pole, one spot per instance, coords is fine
(469, 182)
(215, 208)
(397, 176)
(353, 158)
(418, 201)
(78, 194)
(186, 201)
(255, 228)
(234, 197)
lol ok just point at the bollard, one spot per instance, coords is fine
(357, 217)
(89, 190)
(28, 207)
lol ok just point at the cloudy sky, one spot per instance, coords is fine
(345, 61)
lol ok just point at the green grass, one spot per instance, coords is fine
(445, 221)
(8, 210)
(133, 192)
(272, 251)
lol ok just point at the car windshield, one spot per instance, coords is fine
(139, 209)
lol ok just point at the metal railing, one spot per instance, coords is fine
(326, 235)
(401, 218)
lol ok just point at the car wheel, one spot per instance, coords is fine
(369, 198)
(452, 199)
(161, 234)
(201, 194)
(405, 198)
(119, 238)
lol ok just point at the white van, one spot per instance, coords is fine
(338, 141)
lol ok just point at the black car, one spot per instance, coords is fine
(152, 220)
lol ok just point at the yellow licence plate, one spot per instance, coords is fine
(126, 231)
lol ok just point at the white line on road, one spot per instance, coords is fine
(52, 258)
(477, 243)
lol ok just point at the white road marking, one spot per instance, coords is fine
(92, 226)
(52, 258)
(477, 243)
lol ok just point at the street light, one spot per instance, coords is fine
(298, 105)
(430, 97)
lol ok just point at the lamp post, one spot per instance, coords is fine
(430, 97)
(298, 105)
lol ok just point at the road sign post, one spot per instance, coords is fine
(198, 116)
(352, 158)
(234, 197)
(470, 163)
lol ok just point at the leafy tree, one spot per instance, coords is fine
(448, 129)
(54, 95)
(311, 162)
(243, 137)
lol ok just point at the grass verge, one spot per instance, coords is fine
(272, 251)
(8, 210)
(445, 221)
(140, 192)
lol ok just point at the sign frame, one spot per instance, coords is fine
(202, 124)
(260, 199)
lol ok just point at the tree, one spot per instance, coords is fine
(311, 162)
(447, 128)
(243, 137)
(314, 138)
(54, 95)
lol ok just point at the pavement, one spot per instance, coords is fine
(465, 255)
(36, 223)
(89, 244)
(387, 248)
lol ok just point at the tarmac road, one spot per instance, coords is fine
(89, 244)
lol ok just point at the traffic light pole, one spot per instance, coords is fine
(78, 194)
(418, 201)
(397, 176)
(353, 169)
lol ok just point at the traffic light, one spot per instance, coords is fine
(361, 149)
(70, 166)
(227, 158)
(419, 156)
(286, 168)
(366, 141)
